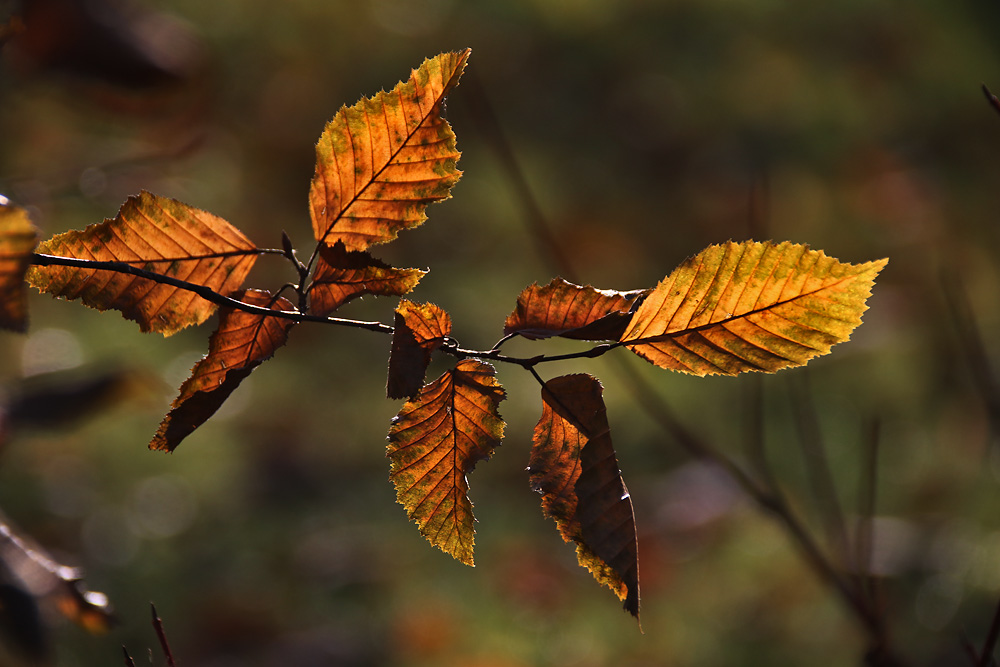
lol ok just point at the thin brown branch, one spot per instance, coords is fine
(161, 635)
(204, 292)
(817, 464)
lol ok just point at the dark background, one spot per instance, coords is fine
(645, 131)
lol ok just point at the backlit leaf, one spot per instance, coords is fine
(382, 161)
(18, 238)
(155, 234)
(572, 311)
(342, 275)
(241, 343)
(750, 306)
(573, 466)
(435, 442)
(419, 330)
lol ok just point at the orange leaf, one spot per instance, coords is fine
(382, 161)
(435, 442)
(419, 330)
(573, 466)
(750, 306)
(159, 235)
(18, 238)
(342, 275)
(572, 311)
(241, 343)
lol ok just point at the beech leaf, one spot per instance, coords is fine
(159, 235)
(573, 465)
(241, 343)
(419, 330)
(572, 311)
(382, 161)
(342, 275)
(18, 237)
(750, 306)
(435, 442)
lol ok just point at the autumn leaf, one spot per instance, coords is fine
(382, 161)
(241, 343)
(158, 235)
(342, 275)
(573, 466)
(43, 576)
(435, 442)
(572, 311)
(750, 306)
(18, 237)
(419, 330)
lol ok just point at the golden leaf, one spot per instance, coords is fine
(750, 306)
(435, 442)
(382, 161)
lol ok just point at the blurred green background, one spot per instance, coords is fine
(646, 130)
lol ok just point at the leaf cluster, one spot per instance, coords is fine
(732, 308)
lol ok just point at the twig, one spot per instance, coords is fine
(129, 662)
(204, 292)
(162, 636)
(817, 464)
(991, 98)
(866, 513)
(986, 657)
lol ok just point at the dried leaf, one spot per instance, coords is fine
(382, 161)
(241, 343)
(18, 237)
(435, 442)
(573, 466)
(572, 311)
(44, 578)
(750, 306)
(155, 234)
(419, 330)
(342, 275)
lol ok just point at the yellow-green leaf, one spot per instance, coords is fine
(750, 306)
(158, 235)
(382, 161)
(18, 237)
(435, 442)
(573, 465)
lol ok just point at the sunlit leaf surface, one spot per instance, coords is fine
(750, 306)
(435, 442)
(380, 162)
(342, 275)
(159, 235)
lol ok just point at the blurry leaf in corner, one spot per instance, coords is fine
(122, 44)
(26, 566)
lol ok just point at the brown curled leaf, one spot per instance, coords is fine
(419, 330)
(342, 275)
(573, 465)
(241, 343)
(572, 311)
